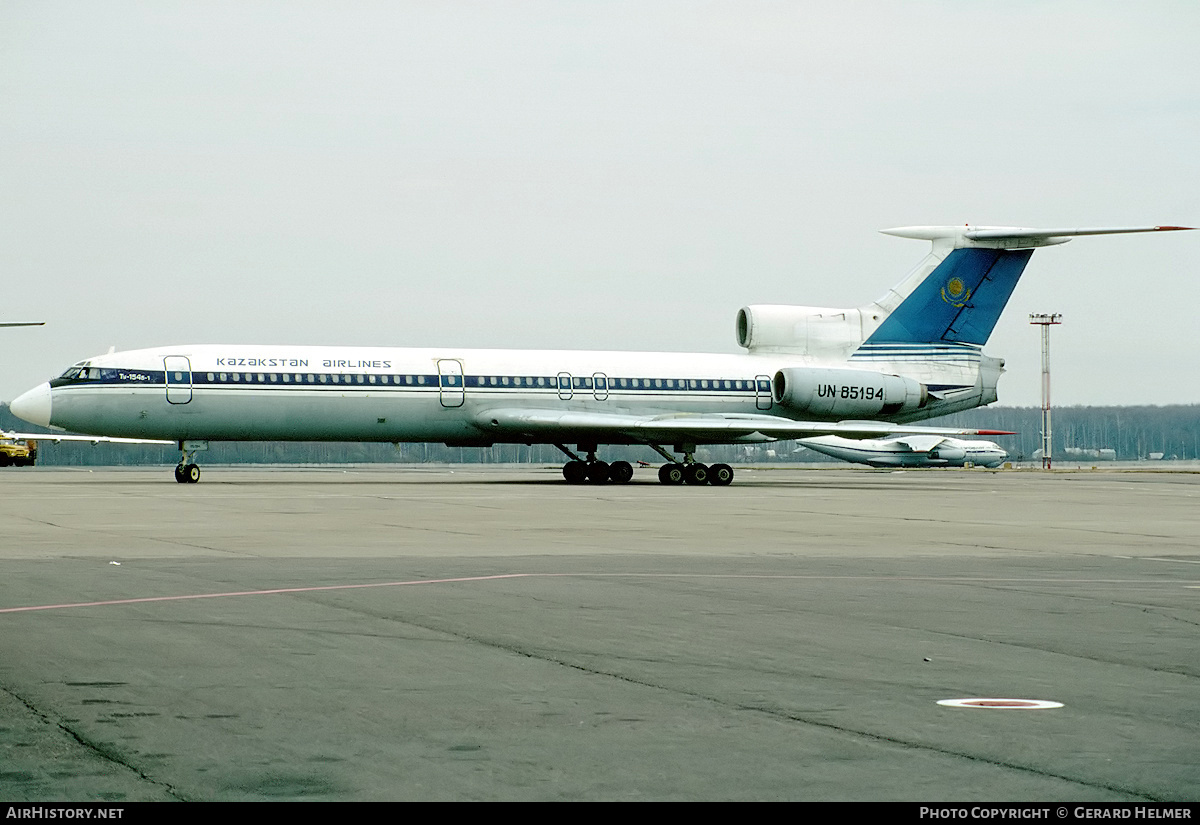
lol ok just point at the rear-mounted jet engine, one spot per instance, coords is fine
(838, 394)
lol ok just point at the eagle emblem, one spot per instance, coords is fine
(955, 293)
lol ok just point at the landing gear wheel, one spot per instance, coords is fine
(597, 472)
(181, 475)
(192, 472)
(671, 474)
(621, 472)
(575, 472)
(720, 475)
(695, 474)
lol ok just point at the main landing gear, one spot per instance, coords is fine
(591, 469)
(689, 471)
(188, 472)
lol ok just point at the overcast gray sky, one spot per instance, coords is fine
(590, 175)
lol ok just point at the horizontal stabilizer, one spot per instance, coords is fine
(956, 295)
(1014, 237)
(990, 233)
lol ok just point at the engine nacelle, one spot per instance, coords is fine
(945, 452)
(815, 330)
(839, 394)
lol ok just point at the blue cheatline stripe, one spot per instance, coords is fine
(940, 346)
(959, 302)
(958, 354)
(363, 381)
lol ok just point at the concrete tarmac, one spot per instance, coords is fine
(392, 633)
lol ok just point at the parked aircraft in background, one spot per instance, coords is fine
(910, 451)
(868, 372)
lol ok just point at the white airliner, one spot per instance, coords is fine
(914, 354)
(910, 451)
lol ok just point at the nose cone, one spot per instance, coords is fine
(34, 406)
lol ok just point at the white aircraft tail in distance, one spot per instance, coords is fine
(862, 373)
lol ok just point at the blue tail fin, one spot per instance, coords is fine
(959, 302)
(957, 294)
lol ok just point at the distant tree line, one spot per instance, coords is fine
(1133, 432)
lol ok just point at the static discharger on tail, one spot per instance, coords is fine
(807, 372)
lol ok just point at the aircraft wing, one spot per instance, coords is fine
(918, 443)
(94, 439)
(704, 428)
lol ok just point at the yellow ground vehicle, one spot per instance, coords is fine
(16, 452)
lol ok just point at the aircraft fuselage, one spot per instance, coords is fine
(857, 373)
(252, 392)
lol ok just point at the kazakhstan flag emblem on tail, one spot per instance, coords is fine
(955, 293)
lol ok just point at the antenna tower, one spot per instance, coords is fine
(1045, 321)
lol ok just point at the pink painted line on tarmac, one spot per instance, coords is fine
(261, 592)
(766, 576)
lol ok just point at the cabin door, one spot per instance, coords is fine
(450, 377)
(178, 379)
(762, 392)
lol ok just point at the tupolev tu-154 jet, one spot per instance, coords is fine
(861, 373)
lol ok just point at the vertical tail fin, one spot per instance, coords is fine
(959, 302)
(957, 294)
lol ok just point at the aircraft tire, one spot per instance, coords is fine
(621, 472)
(180, 475)
(695, 474)
(720, 475)
(192, 472)
(575, 472)
(598, 472)
(671, 474)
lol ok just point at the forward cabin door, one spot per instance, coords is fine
(450, 377)
(178, 379)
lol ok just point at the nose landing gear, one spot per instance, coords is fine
(188, 472)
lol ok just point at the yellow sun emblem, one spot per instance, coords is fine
(955, 293)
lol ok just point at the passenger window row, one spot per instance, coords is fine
(315, 378)
(561, 382)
